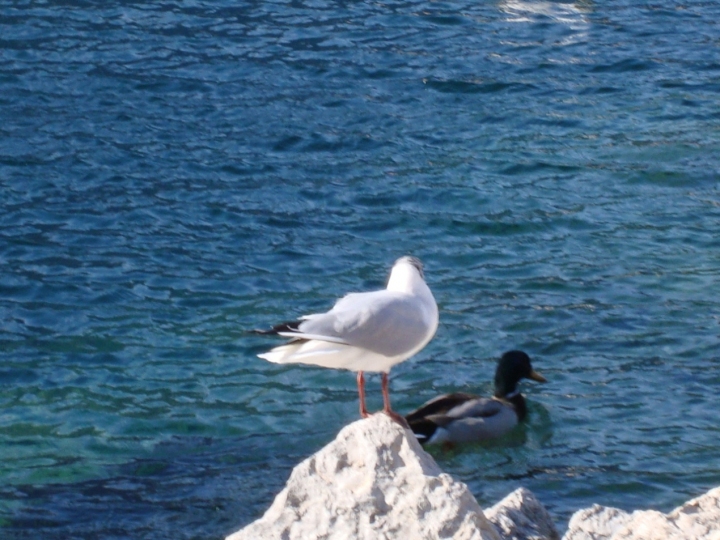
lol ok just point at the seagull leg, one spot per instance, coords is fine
(361, 391)
(386, 401)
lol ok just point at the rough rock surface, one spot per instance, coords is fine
(595, 523)
(374, 481)
(520, 516)
(697, 519)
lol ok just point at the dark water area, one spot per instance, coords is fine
(174, 174)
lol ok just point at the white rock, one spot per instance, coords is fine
(595, 523)
(698, 519)
(520, 516)
(374, 481)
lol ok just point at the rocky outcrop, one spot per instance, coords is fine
(374, 481)
(697, 519)
(595, 523)
(520, 516)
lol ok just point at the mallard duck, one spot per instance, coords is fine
(460, 417)
(369, 331)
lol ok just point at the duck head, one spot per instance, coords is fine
(512, 367)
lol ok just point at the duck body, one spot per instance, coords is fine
(462, 418)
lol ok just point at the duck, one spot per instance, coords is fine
(365, 331)
(460, 417)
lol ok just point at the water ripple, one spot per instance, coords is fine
(175, 174)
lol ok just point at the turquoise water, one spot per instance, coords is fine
(174, 174)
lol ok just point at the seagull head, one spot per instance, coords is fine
(406, 275)
(412, 261)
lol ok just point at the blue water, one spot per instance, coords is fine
(173, 174)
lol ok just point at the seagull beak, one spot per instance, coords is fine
(535, 376)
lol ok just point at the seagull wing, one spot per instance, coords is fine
(385, 322)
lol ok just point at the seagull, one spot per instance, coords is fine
(368, 331)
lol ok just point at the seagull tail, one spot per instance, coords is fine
(291, 326)
(281, 355)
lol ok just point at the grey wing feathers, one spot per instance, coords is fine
(476, 408)
(447, 408)
(440, 405)
(384, 322)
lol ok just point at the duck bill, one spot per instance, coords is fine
(535, 376)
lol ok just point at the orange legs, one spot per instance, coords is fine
(361, 391)
(387, 409)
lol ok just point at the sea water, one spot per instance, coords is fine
(174, 174)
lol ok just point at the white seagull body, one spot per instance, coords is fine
(369, 331)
